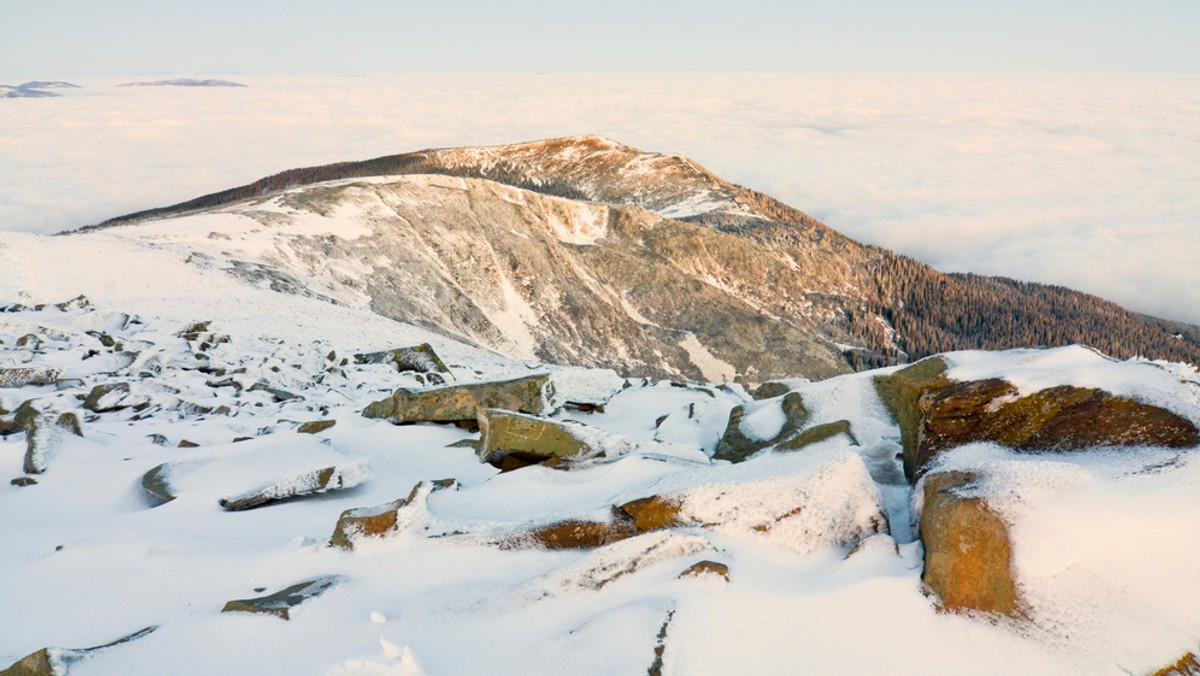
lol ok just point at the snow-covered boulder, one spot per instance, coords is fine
(757, 425)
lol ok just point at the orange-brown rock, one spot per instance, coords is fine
(935, 414)
(653, 513)
(968, 553)
(580, 534)
(1188, 665)
(706, 568)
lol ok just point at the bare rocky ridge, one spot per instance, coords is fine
(586, 251)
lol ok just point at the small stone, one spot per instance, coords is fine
(184, 443)
(24, 481)
(706, 568)
(314, 426)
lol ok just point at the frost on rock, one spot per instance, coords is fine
(836, 503)
(609, 563)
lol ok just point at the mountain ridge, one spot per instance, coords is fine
(727, 249)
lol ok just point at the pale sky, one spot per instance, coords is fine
(80, 38)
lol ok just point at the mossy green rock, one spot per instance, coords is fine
(456, 403)
(901, 392)
(735, 446)
(314, 426)
(818, 433)
(968, 550)
(503, 433)
(107, 397)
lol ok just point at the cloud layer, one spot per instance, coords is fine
(1085, 181)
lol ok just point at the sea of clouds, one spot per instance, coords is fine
(1091, 182)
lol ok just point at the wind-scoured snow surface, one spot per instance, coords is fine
(1104, 543)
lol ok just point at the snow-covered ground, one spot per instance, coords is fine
(1104, 543)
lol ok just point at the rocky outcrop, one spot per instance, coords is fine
(459, 403)
(736, 445)
(385, 519)
(935, 413)
(968, 551)
(283, 602)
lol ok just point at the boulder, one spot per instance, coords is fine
(419, 358)
(156, 485)
(818, 433)
(705, 569)
(308, 483)
(28, 375)
(735, 445)
(385, 519)
(107, 397)
(25, 412)
(277, 395)
(281, 603)
(458, 403)
(770, 390)
(43, 434)
(968, 551)
(529, 438)
(315, 426)
(935, 414)
(575, 535)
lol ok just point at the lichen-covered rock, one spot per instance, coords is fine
(529, 438)
(968, 551)
(819, 433)
(935, 413)
(315, 426)
(419, 358)
(457, 403)
(706, 569)
(385, 519)
(22, 376)
(107, 397)
(653, 513)
(281, 603)
(736, 445)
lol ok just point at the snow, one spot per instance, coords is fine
(1104, 541)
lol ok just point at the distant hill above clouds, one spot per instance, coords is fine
(183, 82)
(587, 251)
(34, 89)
